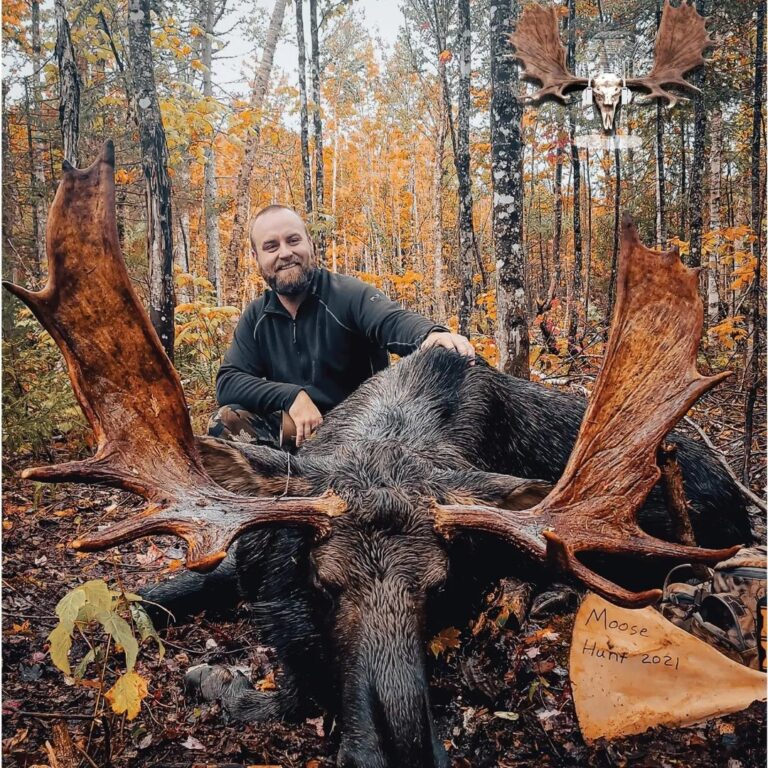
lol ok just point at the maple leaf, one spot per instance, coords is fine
(127, 694)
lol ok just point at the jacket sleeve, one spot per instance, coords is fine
(241, 378)
(385, 322)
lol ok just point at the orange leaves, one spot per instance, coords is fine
(445, 640)
(444, 57)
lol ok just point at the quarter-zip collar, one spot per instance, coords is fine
(273, 305)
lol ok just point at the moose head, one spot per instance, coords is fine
(680, 43)
(375, 505)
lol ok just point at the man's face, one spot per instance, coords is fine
(283, 251)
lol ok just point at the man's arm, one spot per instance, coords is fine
(241, 377)
(396, 329)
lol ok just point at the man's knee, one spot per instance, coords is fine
(235, 423)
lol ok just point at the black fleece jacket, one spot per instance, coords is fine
(342, 334)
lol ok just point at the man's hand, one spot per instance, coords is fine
(305, 416)
(452, 341)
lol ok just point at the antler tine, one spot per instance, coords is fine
(680, 43)
(542, 55)
(648, 380)
(128, 388)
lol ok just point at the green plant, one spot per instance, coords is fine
(94, 608)
(37, 397)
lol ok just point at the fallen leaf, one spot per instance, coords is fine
(127, 693)
(445, 639)
(192, 743)
(507, 715)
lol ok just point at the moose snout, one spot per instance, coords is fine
(377, 740)
(387, 721)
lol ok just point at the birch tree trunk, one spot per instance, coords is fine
(438, 174)
(661, 216)
(238, 245)
(317, 130)
(466, 229)
(507, 177)
(304, 117)
(616, 238)
(661, 231)
(69, 85)
(154, 162)
(37, 148)
(754, 346)
(558, 214)
(683, 181)
(715, 168)
(573, 314)
(210, 185)
(696, 197)
(11, 216)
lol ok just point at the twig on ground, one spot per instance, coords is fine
(756, 500)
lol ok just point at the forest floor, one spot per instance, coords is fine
(502, 698)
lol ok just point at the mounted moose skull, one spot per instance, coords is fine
(680, 43)
(379, 492)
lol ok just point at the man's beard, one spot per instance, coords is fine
(291, 284)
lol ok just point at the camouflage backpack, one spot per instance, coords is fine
(719, 605)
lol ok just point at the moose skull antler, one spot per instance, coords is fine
(680, 43)
(133, 399)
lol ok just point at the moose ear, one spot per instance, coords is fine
(252, 470)
(504, 491)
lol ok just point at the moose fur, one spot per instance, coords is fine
(350, 617)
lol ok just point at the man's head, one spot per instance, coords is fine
(283, 249)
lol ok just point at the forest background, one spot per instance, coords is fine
(419, 167)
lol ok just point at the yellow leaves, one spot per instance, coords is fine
(127, 694)
(125, 177)
(196, 31)
(198, 65)
(94, 603)
(444, 640)
(444, 56)
(729, 332)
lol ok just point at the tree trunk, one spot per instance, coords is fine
(696, 198)
(683, 178)
(11, 216)
(466, 228)
(154, 161)
(616, 238)
(69, 85)
(558, 213)
(37, 148)
(210, 185)
(756, 371)
(303, 112)
(438, 174)
(715, 167)
(507, 174)
(661, 216)
(661, 229)
(317, 130)
(238, 245)
(587, 286)
(573, 315)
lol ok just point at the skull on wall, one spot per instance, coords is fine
(607, 93)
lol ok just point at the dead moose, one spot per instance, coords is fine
(346, 547)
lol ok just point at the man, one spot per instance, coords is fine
(310, 340)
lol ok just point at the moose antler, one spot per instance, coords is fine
(647, 382)
(129, 389)
(680, 43)
(541, 52)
